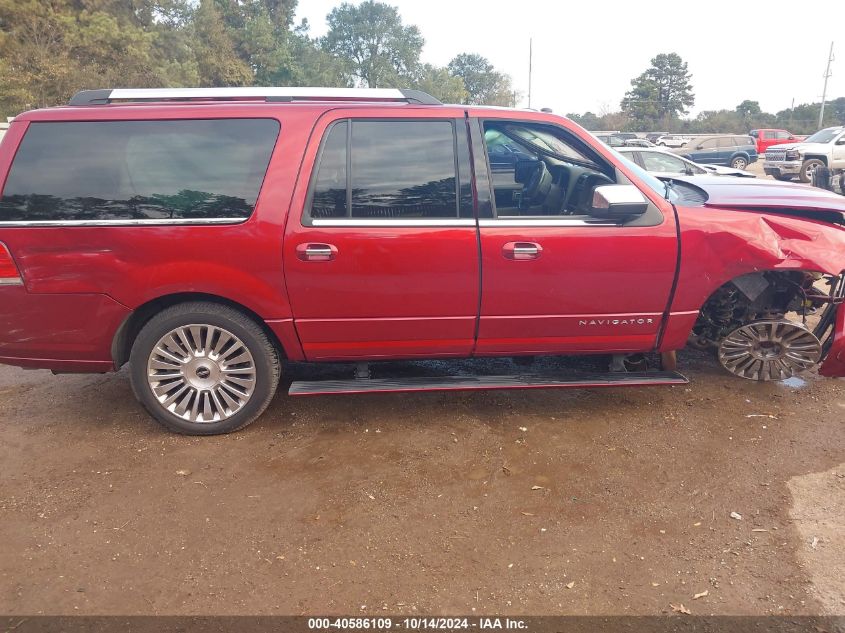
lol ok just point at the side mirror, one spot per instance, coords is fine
(617, 202)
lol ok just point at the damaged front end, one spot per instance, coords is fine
(773, 325)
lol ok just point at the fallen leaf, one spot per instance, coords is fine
(523, 429)
(701, 595)
(815, 542)
(506, 470)
(537, 488)
(183, 473)
(759, 530)
(696, 524)
(570, 585)
(679, 608)
(528, 514)
(736, 515)
(655, 584)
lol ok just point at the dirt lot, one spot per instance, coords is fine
(542, 502)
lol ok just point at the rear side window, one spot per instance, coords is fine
(393, 170)
(139, 170)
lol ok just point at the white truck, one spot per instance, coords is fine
(825, 148)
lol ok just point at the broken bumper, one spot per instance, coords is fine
(834, 363)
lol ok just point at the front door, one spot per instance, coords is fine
(554, 280)
(382, 262)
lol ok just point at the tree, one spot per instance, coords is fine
(49, 50)
(661, 93)
(439, 83)
(218, 61)
(483, 83)
(749, 108)
(378, 50)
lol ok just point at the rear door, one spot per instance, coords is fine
(381, 252)
(554, 280)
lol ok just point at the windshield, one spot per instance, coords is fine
(547, 142)
(824, 136)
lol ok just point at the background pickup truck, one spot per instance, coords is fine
(825, 148)
(765, 138)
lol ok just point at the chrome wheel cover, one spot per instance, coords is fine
(201, 373)
(769, 350)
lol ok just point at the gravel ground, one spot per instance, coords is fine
(535, 502)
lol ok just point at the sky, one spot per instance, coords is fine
(586, 53)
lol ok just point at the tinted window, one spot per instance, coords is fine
(783, 135)
(403, 169)
(709, 143)
(769, 134)
(329, 198)
(139, 170)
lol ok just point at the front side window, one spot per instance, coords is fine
(394, 169)
(536, 171)
(139, 170)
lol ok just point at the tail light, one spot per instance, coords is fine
(9, 275)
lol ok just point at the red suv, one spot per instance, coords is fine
(767, 137)
(203, 236)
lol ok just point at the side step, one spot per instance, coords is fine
(473, 383)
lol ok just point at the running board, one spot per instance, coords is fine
(474, 383)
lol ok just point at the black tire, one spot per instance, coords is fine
(251, 335)
(784, 177)
(739, 162)
(807, 169)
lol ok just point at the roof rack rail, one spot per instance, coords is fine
(100, 97)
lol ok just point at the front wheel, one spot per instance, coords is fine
(808, 168)
(202, 368)
(739, 162)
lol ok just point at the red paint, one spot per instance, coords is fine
(834, 364)
(8, 270)
(765, 138)
(402, 292)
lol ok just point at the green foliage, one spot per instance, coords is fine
(439, 83)
(378, 50)
(484, 85)
(660, 94)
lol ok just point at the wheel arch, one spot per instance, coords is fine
(128, 330)
(820, 157)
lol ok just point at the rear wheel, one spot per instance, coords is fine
(784, 177)
(203, 369)
(739, 162)
(808, 168)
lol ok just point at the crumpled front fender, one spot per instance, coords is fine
(834, 364)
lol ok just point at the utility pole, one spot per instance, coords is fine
(827, 75)
(530, 60)
(791, 110)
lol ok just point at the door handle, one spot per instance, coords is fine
(522, 250)
(314, 252)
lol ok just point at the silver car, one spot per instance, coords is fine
(659, 162)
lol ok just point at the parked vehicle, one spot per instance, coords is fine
(824, 148)
(203, 235)
(735, 151)
(671, 140)
(653, 136)
(614, 140)
(638, 142)
(626, 136)
(663, 163)
(765, 138)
